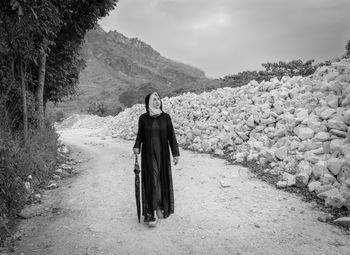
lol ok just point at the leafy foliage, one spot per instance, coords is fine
(278, 69)
(347, 47)
(39, 62)
(97, 108)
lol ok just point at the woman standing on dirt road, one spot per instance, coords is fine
(155, 134)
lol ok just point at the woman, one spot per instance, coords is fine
(155, 134)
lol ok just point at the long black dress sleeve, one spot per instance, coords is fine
(139, 137)
(172, 138)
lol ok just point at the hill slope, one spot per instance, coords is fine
(121, 71)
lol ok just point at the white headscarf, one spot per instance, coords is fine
(153, 112)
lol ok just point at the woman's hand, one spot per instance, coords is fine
(136, 151)
(176, 160)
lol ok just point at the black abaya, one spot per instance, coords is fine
(155, 136)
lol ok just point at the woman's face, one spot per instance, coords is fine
(156, 101)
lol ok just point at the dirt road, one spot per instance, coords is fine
(219, 209)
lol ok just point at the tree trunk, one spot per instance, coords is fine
(24, 102)
(40, 90)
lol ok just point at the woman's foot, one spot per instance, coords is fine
(152, 223)
(160, 214)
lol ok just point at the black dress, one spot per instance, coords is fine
(155, 136)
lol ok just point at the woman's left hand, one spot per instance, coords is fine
(176, 160)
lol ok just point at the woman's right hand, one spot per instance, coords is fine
(136, 151)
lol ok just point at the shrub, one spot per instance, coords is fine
(97, 108)
(38, 158)
(57, 116)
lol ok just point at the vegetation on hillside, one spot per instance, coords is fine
(39, 62)
(277, 69)
(121, 71)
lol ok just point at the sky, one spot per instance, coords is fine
(225, 37)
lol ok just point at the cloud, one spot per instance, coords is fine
(227, 36)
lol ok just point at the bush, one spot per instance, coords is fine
(97, 108)
(38, 158)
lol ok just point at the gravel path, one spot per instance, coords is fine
(219, 209)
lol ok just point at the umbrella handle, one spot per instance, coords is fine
(137, 168)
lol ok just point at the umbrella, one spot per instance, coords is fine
(137, 188)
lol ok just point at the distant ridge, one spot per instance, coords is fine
(120, 71)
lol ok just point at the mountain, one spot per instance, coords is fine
(120, 71)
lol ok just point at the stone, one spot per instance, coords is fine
(289, 178)
(294, 145)
(344, 221)
(303, 175)
(304, 133)
(313, 185)
(250, 122)
(346, 101)
(281, 153)
(346, 117)
(319, 169)
(332, 101)
(58, 171)
(302, 113)
(243, 136)
(323, 188)
(327, 179)
(338, 133)
(31, 211)
(344, 173)
(52, 185)
(346, 149)
(310, 157)
(334, 165)
(282, 184)
(269, 154)
(336, 124)
(326, 113)
(336, 145)
(332, 198)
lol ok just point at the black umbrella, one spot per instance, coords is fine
(137, 188)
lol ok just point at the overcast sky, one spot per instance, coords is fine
(224, 37)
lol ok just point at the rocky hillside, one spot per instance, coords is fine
(299, 128)
(120, 71)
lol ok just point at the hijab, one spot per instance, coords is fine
(152, 111)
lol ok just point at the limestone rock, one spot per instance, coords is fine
(323, 188)
(304, 133)
(319, 169)
(334, 165)
(332, 198)
(336, 145)
(303, 175)
(332, 101)
(346, 117)
(336, 124)
(321, 137)
(344, 221)
(326, 113)
(313, 185)
(281, 153)
(344, 173)
(289, 178)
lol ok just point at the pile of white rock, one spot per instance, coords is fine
(299, 126)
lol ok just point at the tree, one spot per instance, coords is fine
(277, 69)
(41, 41)
(347, 47)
